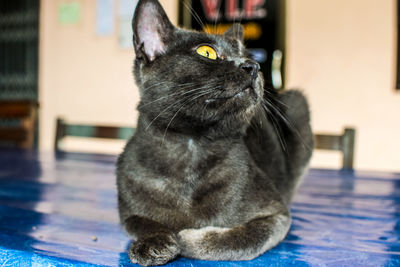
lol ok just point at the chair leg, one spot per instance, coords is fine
(348, 147)
(60, 133)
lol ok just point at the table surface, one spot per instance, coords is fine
(62, 211)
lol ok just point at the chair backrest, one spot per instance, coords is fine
(64, 129)
(343, 143)
(22, 118)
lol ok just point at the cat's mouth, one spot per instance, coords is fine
(245, 91)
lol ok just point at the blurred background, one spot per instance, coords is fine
(74, 58)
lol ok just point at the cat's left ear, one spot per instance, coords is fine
(152, 29)
(235, 32)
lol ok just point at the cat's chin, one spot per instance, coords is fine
(240, 94)
(239, 100)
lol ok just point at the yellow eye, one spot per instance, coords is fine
(207, 51)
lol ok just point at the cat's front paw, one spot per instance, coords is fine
(154, 250)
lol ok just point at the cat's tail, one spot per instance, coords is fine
(243, 242)
(296, 131)
(281, 140)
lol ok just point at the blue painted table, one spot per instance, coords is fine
(61, 211)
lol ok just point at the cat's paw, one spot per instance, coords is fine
(192, 236)
(154, 250)
(198, 243)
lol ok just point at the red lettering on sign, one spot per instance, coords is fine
(253, 9)
(211, 8)
(232, 11)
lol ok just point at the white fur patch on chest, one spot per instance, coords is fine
(192, 156)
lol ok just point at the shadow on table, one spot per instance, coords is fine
(285, 254)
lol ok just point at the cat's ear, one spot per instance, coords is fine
(151, 29)
(235, 32)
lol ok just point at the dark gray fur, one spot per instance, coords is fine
(216, 158)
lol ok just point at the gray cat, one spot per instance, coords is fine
(216, 158)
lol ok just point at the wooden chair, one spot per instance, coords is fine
(23, 114)
(343, 143)
(64, 129)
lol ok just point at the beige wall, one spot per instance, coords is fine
(84, 77)
(340, 52)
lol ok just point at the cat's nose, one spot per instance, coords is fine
(251, 67)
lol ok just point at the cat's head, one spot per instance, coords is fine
(192, 80)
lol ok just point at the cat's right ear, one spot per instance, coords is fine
(235, 32)
(151, 30)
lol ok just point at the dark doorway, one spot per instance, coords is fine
(19, 32)
(398, 46)
(19, 45)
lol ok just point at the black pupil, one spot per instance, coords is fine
(207, 53)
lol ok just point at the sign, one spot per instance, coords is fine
(69, 13)
(260, 20)
(105, 17)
